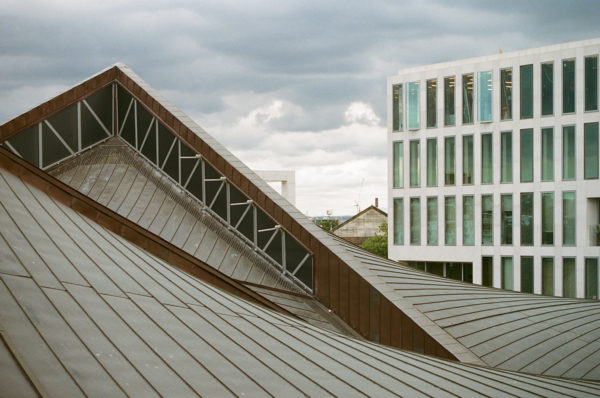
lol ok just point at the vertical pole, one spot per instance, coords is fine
(79, 126)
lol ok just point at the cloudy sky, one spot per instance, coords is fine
(296, 85)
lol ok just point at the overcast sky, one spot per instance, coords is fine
(295, 85)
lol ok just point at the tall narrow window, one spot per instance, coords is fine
(590, 150)
(450, 220)
(432, 103)
(568, 153)
(506, 94)
(506, 173)
(507, 273)
(591, 83)
(415, 221)
(487, 271)
(468, 167)
(449, 99)
(548, 276)
(568, 277)
(568, 94)
(547, 218)
(398, 166)
(413, 105)
(398, 221)
(398, 107)
(487, 219)
(548, 154)
(506, 219)
(415, 164)
(547, 89)
(432, 221)
(468, 220)
(526, 219)
(568, 220)
(487, 159)
(527, 274)
(449, 161)
(484, 96)
(431, 162)
(467, 98)
(527, 155)
(526, 91)
(591, 278)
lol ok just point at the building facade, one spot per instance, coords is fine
(493, 166)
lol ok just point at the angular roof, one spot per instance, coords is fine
(359, 214)
(190, 203)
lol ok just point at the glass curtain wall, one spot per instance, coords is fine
(468, 220)
(467, 98)
(431, 103)
(527, 274)
(398, 166)
(507, 273)
(591, 278)
(449, 101)
(415, 164)
(548, 276)
(569, 217)
(487, 219)
(398, 107)
(431, 162)
(484, 96)
(506, 94)
(506, 219)
(449, 161)
(432, 221)
(413, 105)
(415, 221)
(590, 151)
(547, 218)
(548, 154)
(568, 93)
(591, 83)
(450, 220)
(527, 155)
(398, 221)
(568, 153)
(487, 159)
(506, 160)
(468, 166)
(526, 91)
(487, 271)
(547, 88)
(568, 277)
(526, 219)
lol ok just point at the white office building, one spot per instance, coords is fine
(493, 166)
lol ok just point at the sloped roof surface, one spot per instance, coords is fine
(86, 313)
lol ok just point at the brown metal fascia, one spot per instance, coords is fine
(129, 230)
(56, 104)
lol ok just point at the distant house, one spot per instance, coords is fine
(362, 226)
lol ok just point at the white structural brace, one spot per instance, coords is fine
(287, 179)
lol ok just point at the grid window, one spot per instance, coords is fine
(487, 271)
(431, 162)
(432, 221)
(568, 153)
(449, 161)
(506, 219)
(548, 276)
(506, 94)
(526, 219)
(450, 220)
(548, 154)
(468, 166)
(398, 107)
(507, 273)
(527, 274)
(467, 97)
(526, 155)
(415, 164)
(415, 221)
(431, 103)
(398, 221)
(590, 151)
(398, 166)
(506, 161)
(547, 218)
(484, 96)
(449, 101)
(591, 278)
(568, 277)
(413, 105)
(568, 94)
(547, 88)
(487, 219)
(487, 158)
(591, 83)
(468, 220)
(526, 91)
(569, 217)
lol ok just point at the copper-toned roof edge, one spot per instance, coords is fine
(129, 230)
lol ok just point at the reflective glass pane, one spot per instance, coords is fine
(398, 107)
(415, 169)
(568, 220)
(568, 86)
(449, 161)
(548, 154)
(547, 218)
(435, 268)
(591, 83)
(506, 161)
(568, 153)
(27, 144)
(547, 89)
(432, 162)
(548, 276)
(467, 272)
(467, 98)
(450, 220)
(568, 277)
(398, 166)
(413, 105)
(454, 271)
(506, 94)
(590, 150)
(487, 271)
(415, 221)
(432, 103)
(432, 221)
(398, 221)
(468, 220)
(526, 219)
(526, 91)
(468, 166)
(527, 155)
(487, 170)
(449, 98)
(506, 219)
(591, 278)
(507, 273)
(53, 149)
(487, 219)
(527, 274)
(484, 84)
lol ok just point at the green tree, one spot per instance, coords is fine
(378, 244)
(328, 224)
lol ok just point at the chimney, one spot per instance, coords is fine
(376, 202)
